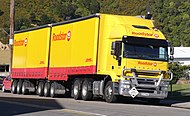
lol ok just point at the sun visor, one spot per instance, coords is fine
(144, 41)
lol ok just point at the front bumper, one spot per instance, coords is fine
(160, 92)
(144, 87)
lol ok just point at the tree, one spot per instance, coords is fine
(1, 12)
(173, 19)
(178, 71)
(87, 7)
(44, 19)
(22, 23)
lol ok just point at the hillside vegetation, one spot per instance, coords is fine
(172, 16)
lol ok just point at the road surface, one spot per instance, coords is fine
(29, 105)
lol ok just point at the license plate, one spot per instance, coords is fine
(145, 94)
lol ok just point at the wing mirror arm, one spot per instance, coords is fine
(116, 49)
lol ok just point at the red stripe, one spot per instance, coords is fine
(63, 72)
(55, 73)
(33, 73)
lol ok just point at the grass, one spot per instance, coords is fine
(180, 92)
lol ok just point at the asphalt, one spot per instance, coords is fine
(177, 104)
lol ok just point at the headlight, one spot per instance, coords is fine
(164, 83)
(126, 86)
(164, 88)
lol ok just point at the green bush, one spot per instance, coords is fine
(178, 71)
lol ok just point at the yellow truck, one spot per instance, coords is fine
(100, 55)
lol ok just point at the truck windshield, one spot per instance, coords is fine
(148, 52)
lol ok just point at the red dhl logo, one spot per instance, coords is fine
(142, 33)
(88, 60)
(62, 36)
(21, 42)
(147, 63)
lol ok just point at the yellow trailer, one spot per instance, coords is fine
(98, 55)
(30, 57)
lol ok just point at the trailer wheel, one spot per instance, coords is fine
(47, 89)
(41, 88)
(52, 89)
(14, 86)
(24, 90)
(108, 93)
(76, 89)
(19, 87)
(86, 92)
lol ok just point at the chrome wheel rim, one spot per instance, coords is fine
(52, 91)
(3, 88)
(84, 90)
(45, 90)
(75, 90)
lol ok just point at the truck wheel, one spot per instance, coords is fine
(52, 89)
(24, 90)
(14, 86)
(47, 89)
(108, 93)
(76, 89)
(86, 93)
(19, 87)
(3, 89)
(41, 88)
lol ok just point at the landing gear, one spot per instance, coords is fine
(109, 94)
(87, 90)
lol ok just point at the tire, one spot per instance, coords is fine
(3, 89)
(24, 90)
(52, 89)
(47, 89)
(76, 89)
(108, 93)
(86, 92)
(40, 88)
(14, 86)
(19, 87)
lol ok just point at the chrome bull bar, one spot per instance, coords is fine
(135, 81)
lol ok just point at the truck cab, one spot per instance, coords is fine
(137, 57)
(144, 65)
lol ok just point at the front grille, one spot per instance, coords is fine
(146, 74)
(147, 81)
(147, 85)
(146, 90)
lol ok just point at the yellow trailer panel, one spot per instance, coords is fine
(73, 48)
(30, 54)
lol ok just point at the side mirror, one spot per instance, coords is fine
(116, 48)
